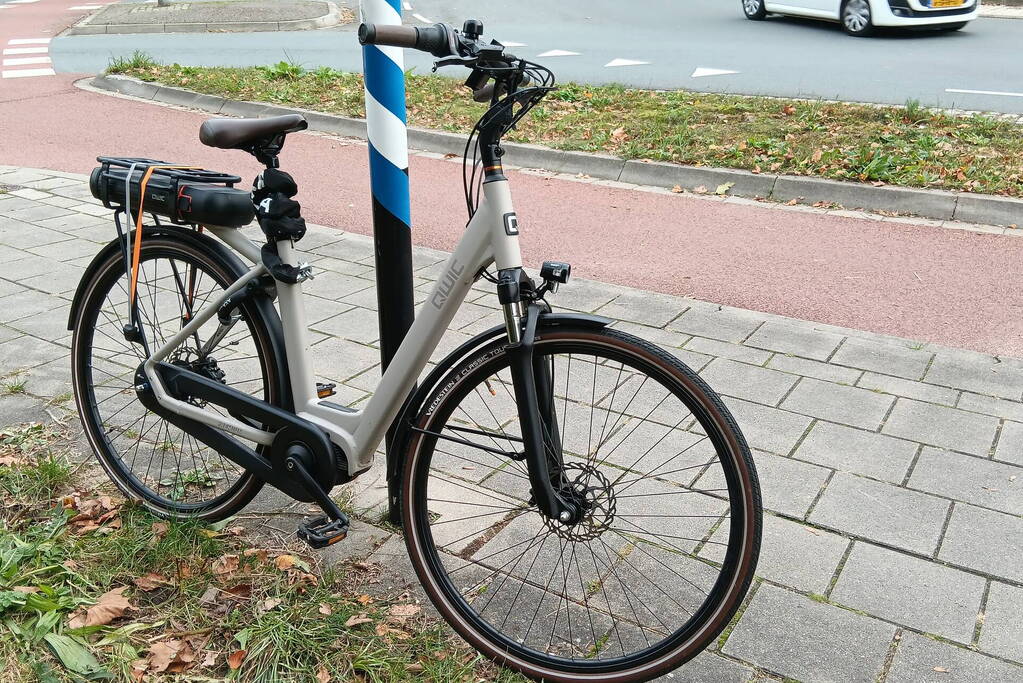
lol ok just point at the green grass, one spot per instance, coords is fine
(213, 594)
(909, 145)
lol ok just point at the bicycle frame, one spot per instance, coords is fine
(491, 237)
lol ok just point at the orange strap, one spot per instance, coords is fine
(137, 255)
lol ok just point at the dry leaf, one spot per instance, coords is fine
(702, 189)
(791, 202)
(325, 609)
(364, 599)
(322, 676)
(172, 656)
(357, 619)
(258, 553)
(110, 606)
(404, 611)
(940, 669)
(151, 581)
(284, 562)
(414, 668)
(817, 154)
(210, 660)
(225, 565)
(677, 189)
(235, 659)
(270, 603)
(788, 110)
(619, 135)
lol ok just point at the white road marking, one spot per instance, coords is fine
(703, 71)
(558, 53)
(22, 2)
(625, 62)
(24, 61)
(407, 6)
(25, 50)
(26, 73)
(423, 19)
(85, 7)
(511, 43)
(29, 41)
(985, 92)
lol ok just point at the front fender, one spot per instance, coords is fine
(414, 403)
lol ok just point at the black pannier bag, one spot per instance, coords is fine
(182, 194)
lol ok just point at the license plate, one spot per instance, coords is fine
(946, 3)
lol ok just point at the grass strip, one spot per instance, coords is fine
(94, 588)
(911, 145)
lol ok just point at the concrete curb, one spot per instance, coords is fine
(935, 204)
(86, 28)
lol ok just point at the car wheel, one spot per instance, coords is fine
(754, 9)
(856, 19)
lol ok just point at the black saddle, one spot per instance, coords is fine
(248, 133)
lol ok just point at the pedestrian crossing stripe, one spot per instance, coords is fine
(27, 73)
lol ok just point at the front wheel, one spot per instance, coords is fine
(667, 544)
(857, 19)
(754, 9)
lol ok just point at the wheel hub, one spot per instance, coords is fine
(593, 495)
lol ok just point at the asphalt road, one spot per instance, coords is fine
(785, 57)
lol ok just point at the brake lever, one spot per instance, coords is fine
(455, 61)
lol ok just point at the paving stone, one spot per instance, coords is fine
(887, 359)
(815, 369)
(908, 388)
(19, 408)
(1002, 632)
(923, 660)
(334, 286)
(1010, 443)
(917, 593)
(357, 324)
(838, 403)
(984, 540)
(695, 361)
(854, 450)
(648, 308)
(882, 512)
(63, 279)
(586, 295)
(718, 322)
(662, 337)
(796, 637)
(788, 486)
(999, 407)
(38, 212)
(708, 667)
(974, 480)
(8, 333)
(978, 373)
(941, 426)
(16, 355)
(338, 360)
(747, 381)
(793, 554)
(768, 429)
(795, 338)
(713, 347)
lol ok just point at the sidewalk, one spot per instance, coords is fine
(220, 17)
(891, 469)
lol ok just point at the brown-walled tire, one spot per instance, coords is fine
(446, 477)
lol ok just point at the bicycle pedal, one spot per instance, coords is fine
(323, 531)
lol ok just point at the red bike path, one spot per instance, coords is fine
(951, 287)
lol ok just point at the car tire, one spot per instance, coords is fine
(857, 19)
(755, 10)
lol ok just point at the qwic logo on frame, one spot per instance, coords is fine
(511, 223)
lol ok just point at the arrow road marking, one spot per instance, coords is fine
(558, 53)
(703, 71)
(985, 92)
(625, 62)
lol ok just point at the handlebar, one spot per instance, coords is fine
(439, 39)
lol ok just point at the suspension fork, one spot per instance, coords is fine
(534, 397)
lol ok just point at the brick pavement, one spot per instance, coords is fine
(891, 469)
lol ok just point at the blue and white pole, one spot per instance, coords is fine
(384, 72)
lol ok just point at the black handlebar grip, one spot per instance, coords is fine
(387, 34)
(438, 40)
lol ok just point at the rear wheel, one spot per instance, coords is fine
(856, 18)
(668, 542)
(754, 9)
(149, 459)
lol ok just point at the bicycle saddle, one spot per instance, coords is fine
(235, 133)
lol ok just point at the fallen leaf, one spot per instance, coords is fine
(258, 553)
(791, 202)
(700, 190)
(110, 606)
(284, 562)
(364, 599)
(414, 668)
(404, 611)
(151, 581)
(270, 603)
(817, 154)
(940, 669)
(235, 659)
(677, 189)
(172, 656)
(325, 609)
(619, 135)
(225, 565)
(357, 619)
(322, 676)
(788, 110)
(723, 188)
(210, 660)
(159, 530)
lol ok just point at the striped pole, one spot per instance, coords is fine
(388, 169)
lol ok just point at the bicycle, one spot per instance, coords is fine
(596, 526)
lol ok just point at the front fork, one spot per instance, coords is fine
(534, 397)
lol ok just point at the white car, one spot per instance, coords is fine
(861, 17)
